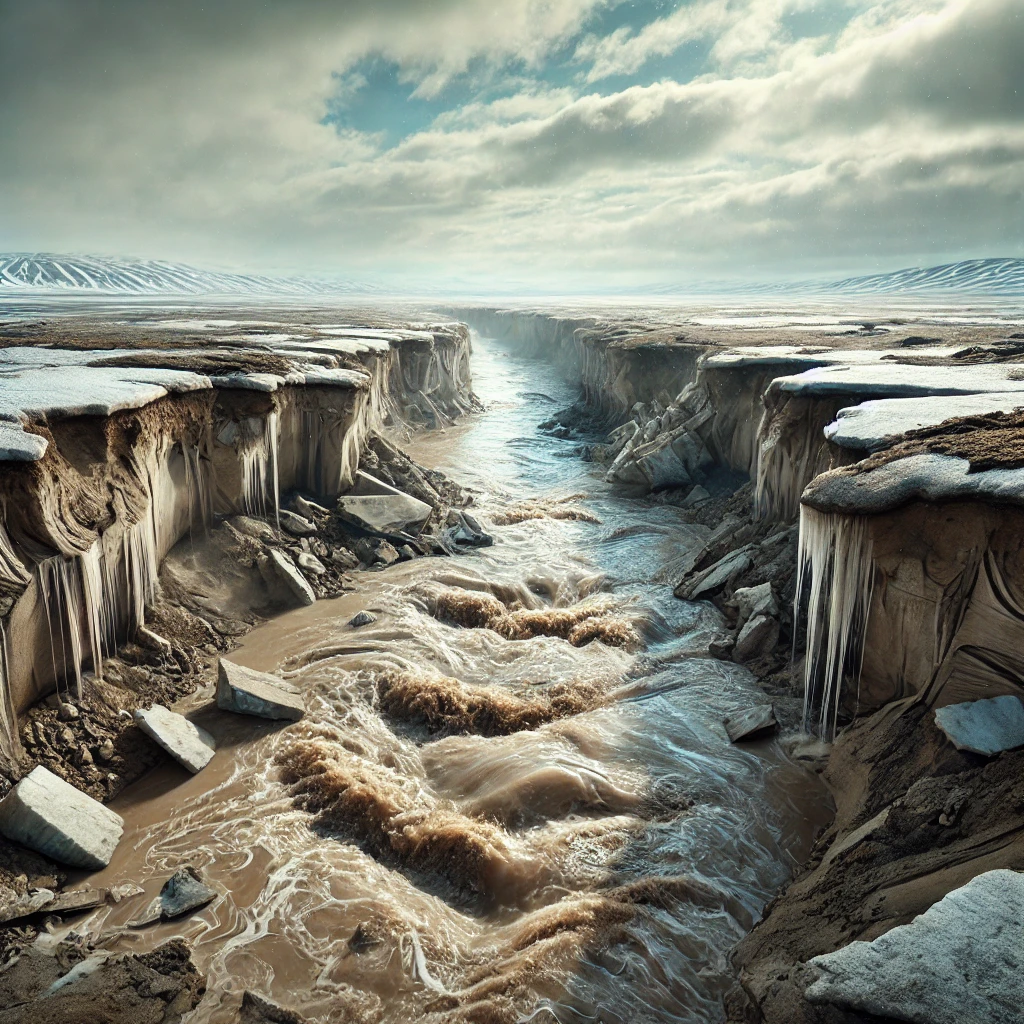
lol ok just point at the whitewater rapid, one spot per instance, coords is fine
(598, 865)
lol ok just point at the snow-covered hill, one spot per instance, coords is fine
(992, 276)
(107, 276)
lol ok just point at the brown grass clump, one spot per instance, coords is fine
(348, 792)
(445, 705)
(538, 508)
(579, 625)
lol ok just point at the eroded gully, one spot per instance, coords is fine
(600, 866)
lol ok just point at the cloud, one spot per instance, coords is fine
(199, 132)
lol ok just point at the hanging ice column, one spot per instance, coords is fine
(260, 481)
(14, 577)
(834, 581)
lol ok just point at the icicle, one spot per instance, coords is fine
(835, 576)
(260, 474)
(63, 590)
(10, 745)
(142, 567)
(197, 483)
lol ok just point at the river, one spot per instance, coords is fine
(596, 867)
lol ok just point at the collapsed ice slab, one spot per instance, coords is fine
(984, 726)
(879, 422)
(48, 815)
(386, 513)
(960, 962)
(927, 477)
(189, 745)
(249, 692)
(896, 380)
(18, 445)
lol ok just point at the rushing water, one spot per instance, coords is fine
(599, 866)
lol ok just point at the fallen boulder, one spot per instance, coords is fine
(751, 601)
(48, 815)
(285, 570)
(189, 745)
(311, 563)
(246, 691)
(758, 637)
(385, 513)
(184, 892)
(984, 726)
(296, 525)
(257, 1010)
(960, 962)
(374, 551)
(715, 577)
(751, 724)
(363, 618)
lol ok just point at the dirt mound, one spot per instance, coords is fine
(445, 705)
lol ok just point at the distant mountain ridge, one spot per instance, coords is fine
(105, 275)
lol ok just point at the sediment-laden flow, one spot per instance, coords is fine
(514, 793)
(511, 793)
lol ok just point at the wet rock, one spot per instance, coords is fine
(758, 637)
(297, 526)
(184, 892)
(695, 497)
(124, 891)
(51, 817)
(985, 727)
(385, 513)
(406, 553)
(752, 601)
(311, 564)
(709, 581)
(284, 569)
(722, 648)
(960, 962)
(363, 618)
(753, 723)
(466, 531)
(257, 1010)
(255, 528)
(66, 711)
(343, 558)
(189, 745)
(373, 551)
(249, 692)
(309, 510)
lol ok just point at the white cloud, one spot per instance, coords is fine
(198, 134)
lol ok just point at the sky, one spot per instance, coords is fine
(531, 143)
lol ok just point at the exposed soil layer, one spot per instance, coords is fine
(991, 441)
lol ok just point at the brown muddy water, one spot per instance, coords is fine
(477, 821)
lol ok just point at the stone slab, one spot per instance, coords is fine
(296, 525)
(960, 962)
(751, 724)
(46, 814)
(385, 513)
(984, 726)
(285, 570)
(249, 692)
(189, 745)
(184, 892)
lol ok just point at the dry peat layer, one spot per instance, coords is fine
(166, 488)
